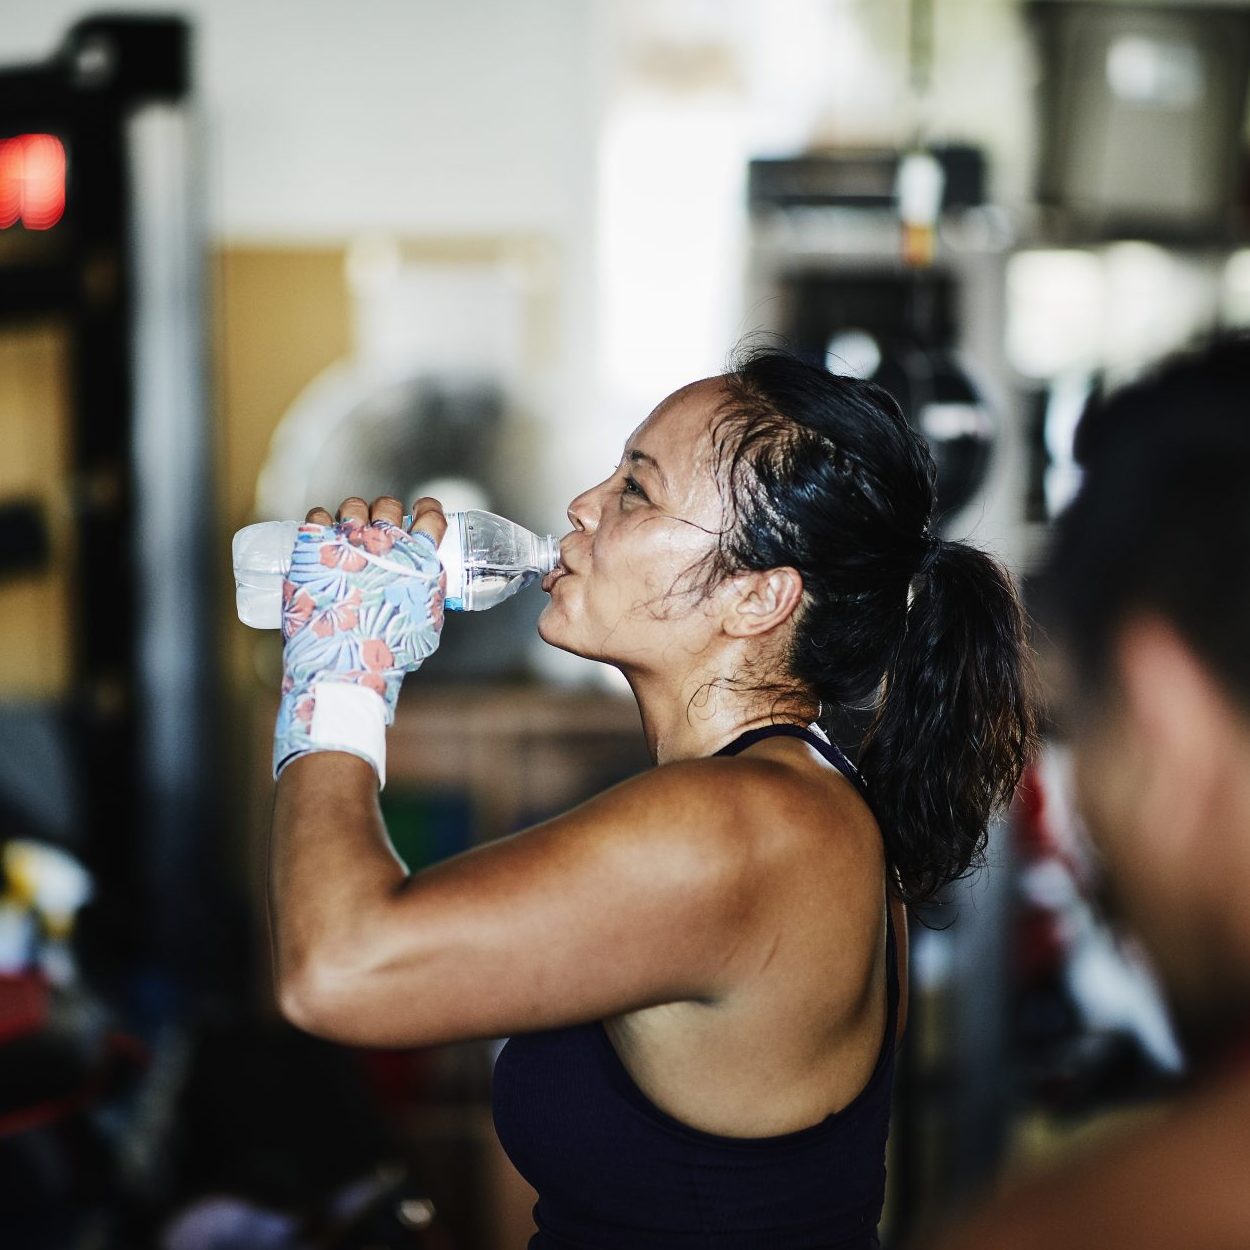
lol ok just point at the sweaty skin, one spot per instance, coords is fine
(725, 916)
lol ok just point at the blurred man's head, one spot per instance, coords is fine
(1149, 585)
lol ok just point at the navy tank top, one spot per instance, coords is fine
(615, 1172)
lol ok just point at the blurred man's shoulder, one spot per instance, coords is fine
(1177, 1183)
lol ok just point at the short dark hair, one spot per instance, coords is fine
(826, 475)
(1161, 522)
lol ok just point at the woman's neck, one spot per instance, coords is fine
(695, 717)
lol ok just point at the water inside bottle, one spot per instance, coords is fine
(487, 585)
(258, 606)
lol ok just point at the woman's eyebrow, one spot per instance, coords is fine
(641, 457)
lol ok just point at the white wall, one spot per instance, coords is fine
(326, 117)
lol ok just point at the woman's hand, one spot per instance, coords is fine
(362, 606)
(427, 514)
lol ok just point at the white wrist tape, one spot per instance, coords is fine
(348, 717)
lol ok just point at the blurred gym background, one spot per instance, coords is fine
(255, 257)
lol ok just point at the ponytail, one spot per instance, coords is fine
(956, 722)
(824, 474)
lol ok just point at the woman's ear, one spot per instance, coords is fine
(761, 601)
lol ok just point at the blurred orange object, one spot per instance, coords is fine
(24, 999)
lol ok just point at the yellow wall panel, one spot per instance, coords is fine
(35, 637)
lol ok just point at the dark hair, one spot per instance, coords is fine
(1161, 522)
(825, 475)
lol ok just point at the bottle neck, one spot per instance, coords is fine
(548, 550)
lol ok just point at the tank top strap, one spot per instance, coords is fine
(838, 759)
(893, 993)
(829, 750)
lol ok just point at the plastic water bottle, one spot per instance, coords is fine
(487, 559)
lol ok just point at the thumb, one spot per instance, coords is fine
(428, 518)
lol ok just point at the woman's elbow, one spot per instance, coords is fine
(347, 991)
(313, 983)
(313, 1000)
(295, 1003)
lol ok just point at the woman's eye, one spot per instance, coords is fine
(631, 487)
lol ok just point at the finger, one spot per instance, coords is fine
(354, 509)
(428, 518)
(387, 508)
(318, 516)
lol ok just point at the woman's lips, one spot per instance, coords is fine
(554, 576)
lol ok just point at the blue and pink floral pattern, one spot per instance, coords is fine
(363, 603)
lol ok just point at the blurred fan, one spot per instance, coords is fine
(355, 431)
(939, 398)
(936, 395)
(360, 430)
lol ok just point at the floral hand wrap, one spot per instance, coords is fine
(361, 606)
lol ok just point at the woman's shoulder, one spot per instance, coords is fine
(779, 803)
(720, 789)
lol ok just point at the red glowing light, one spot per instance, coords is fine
(32, 181)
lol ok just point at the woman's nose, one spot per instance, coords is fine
(581, 510)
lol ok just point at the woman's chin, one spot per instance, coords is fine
(554, 630)
(549, 627)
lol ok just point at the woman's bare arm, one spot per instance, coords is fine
(645, 894)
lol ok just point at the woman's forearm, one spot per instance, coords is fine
(332, 870)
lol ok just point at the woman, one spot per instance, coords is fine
(702, 966)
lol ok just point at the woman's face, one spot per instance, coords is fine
(637, 542)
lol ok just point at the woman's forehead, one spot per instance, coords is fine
(677, 436)
(680, 427)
